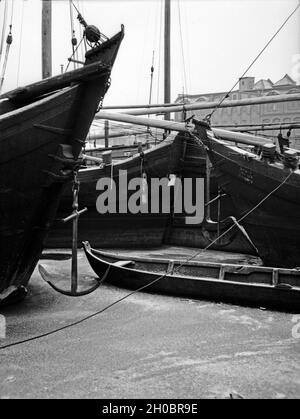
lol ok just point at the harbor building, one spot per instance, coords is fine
(263, 114)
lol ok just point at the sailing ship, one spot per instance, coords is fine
(249, 285)
(43, 127)
(268, 187)
(265, 189)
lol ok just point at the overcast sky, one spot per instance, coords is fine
(214, 41)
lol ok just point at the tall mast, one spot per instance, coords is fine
(46, 39)
(298, 35)
(167, 49)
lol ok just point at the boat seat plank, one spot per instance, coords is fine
(123, 263)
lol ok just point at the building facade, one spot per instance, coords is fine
(271, 113)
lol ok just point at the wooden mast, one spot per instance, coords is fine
(167, 55)
(46, 39)
(298, 41)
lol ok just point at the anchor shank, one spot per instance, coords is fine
(74, 270)
(74, 264)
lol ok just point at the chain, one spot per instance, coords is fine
(107, 86)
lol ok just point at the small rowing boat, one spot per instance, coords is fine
(249, 285)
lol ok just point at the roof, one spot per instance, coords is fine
(263, 84)
(286, 80)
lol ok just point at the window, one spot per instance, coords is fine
(273, 108)
(293, 105)
(201, 99)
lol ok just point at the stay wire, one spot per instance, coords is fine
(12, 12)
(5, 12)
(20, 43)
(182, 49)
(253, 62)
(74, 54)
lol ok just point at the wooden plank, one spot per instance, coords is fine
(24, 94)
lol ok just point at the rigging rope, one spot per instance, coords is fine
(73, 37)
(8, 44)
(151, 80)
(74, 53)
(208, 117)
(182, 50)
(3, 27)
(160, 52)
(20, 43)
(9, 40)
(12, 11)
(156, 279)
(81, 6)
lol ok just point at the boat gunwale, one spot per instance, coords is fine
(48, 97)
(239, 152)
(261, 269)
(165, 143)
(36, 103)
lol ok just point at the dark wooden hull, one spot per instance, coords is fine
(181, 156)
(41, 140)
(245, 285)
(126, 229)
(274, 226)
(206, 233)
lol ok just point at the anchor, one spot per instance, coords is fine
(74, 266)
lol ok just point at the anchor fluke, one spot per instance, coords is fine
(49, 278)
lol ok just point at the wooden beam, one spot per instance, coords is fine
(239, 137)
(210, 105)
(183, 127)
(46, 39)
(147, 122)
(262, 127)
(115, 134)
(176, 107)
